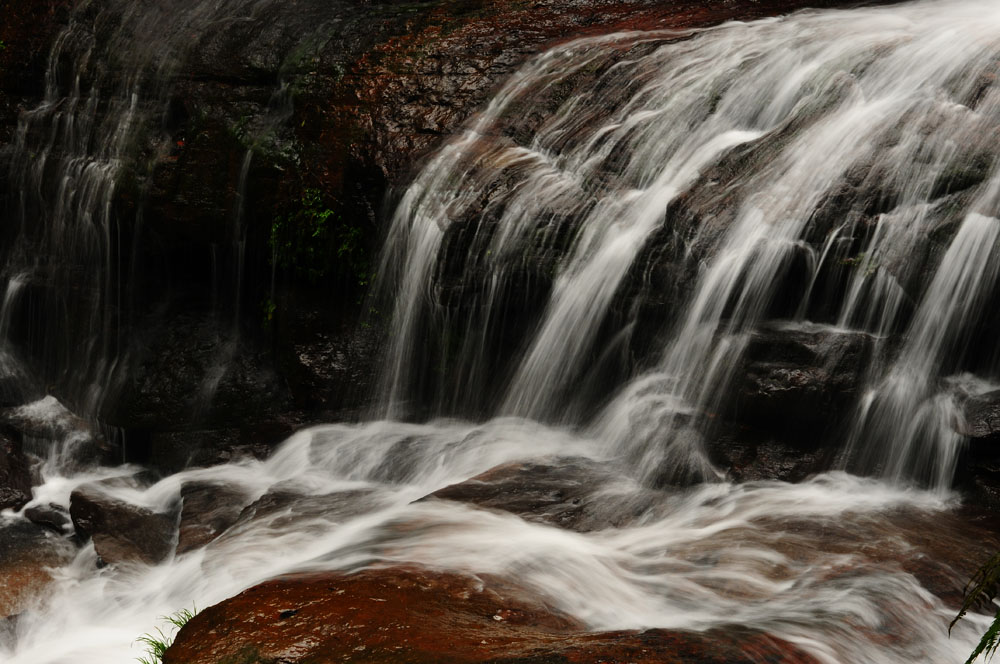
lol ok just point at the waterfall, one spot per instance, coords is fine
(853, 141)
(577, 282)
(93, 142)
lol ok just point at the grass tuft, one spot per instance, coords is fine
(158, 641)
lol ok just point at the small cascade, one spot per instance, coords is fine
(82, 163)
(907, 422)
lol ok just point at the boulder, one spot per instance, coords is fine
(422, 617)
(47, 419)
(54, 517)
(748, 455)
(121, 532)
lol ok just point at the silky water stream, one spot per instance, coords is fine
(753, 129)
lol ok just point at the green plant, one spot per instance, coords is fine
(982, 588)
(269, 308)
(313, 241)
(157, 642)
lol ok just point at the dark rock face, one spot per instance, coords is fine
(15, 474)
(746, 454)
(979, 474)
(981, 420)
(187, 371)
(797, 380)
(121, 532)
(419, 616)
(27, 32)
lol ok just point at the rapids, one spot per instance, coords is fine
(576, 158)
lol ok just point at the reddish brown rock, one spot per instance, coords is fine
(28, 553)
(422, 617)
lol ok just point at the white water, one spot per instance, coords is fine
(818, 563)
(720, 554)
(889, 103)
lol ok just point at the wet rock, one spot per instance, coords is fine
(566, 493)
(15, 473)
(423, 617)
(748, 455)
(286, 504)
(327, 355)
(207, 510)
(800, 380)
(54, 517)
(981, 417)
(121, 532)
(27, 552)
(979, 469)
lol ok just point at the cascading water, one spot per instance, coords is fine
(107, 94)
(779, 124)
(828, 170)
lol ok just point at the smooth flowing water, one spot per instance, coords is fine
(859, 144)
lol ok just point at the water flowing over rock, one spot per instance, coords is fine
(680, 342)
(819, 189)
